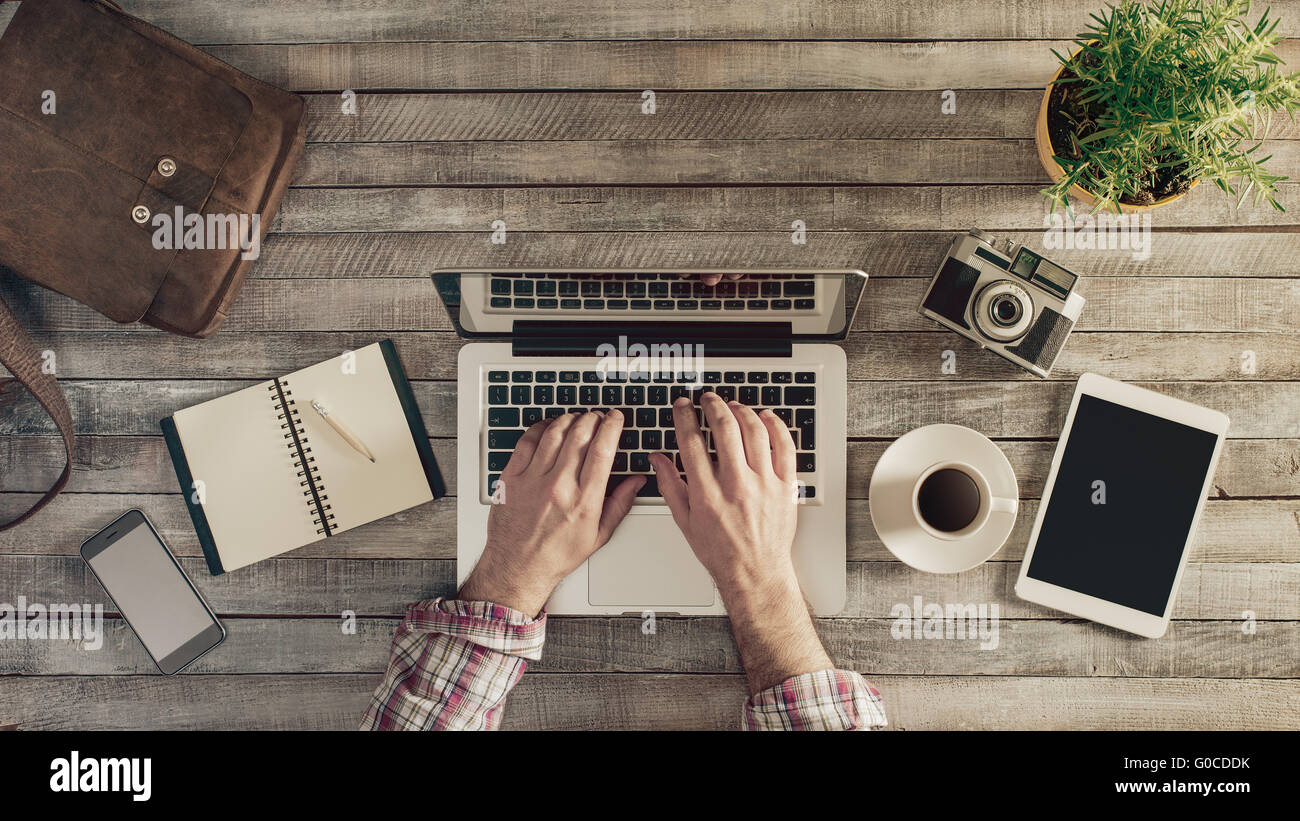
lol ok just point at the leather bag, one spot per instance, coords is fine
(117, 139)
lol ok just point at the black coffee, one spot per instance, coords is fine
(948, 500)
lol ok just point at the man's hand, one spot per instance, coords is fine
(739, 517)
(555, 513)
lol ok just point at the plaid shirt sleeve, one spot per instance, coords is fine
(452, 664)
(824, 700)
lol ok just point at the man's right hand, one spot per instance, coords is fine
(739, 517)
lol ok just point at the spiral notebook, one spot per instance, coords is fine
(263, 473)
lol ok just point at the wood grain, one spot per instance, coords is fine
(636, 65)
(1251, 530)
(1259, 410)
(723, 208)
(315, 21)
(381, 587)
(682, 115)
(1191, 649)
(888, 304)
(653, 702)
(1248, 468)
(919, 355)
(693, 162)
(881, 254)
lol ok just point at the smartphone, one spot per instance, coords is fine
(153, 594)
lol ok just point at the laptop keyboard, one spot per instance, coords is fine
(517, 399)
(571, 291)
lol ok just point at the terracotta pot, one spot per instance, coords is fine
(1048, 158)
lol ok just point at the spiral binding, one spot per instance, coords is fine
(308, 472)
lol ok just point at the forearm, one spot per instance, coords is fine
(793, 684)
(773, 629)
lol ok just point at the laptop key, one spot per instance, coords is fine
(520, 395)
(498, 394)
(800, 396)
(782, 377)
(628, 439)
(570, 304)
(646, 417)
(620, 462)
(543, 395)
(500, 302)
(531, 416)
(498, 376)
(805, 377)
(805, 462)
(545, 377)
(503, 418)
(570, 376)
(588, 395)
(503, 439)
(652, 439)
(566, 395)
(611, 395)
(521, 376)
(554, 413)
(803, 420)
(771, 396)
(640, 462)
(497, 460)
(748, 395)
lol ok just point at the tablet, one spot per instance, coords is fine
(1127, 486)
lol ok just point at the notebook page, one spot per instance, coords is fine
(359, 392)
(252, 500)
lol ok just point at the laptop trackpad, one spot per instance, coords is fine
(647, 565)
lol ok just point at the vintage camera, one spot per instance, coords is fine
(1006, 298)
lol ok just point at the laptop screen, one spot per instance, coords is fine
(816, 304)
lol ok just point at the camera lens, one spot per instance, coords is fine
(1006, 310)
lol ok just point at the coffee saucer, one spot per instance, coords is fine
(893, 482)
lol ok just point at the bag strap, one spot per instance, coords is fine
(18, 353)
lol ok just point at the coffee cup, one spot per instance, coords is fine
(952, 500)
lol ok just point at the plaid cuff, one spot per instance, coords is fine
(452, 665)
(824, 700)
(489, 625)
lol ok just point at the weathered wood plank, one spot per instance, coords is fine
(1191, 649)
(317, 21)
(836, 208)
(652, 702)
(683, 115)
(633, 65)
(693, 162)
(1248, 468)
(883, 254)
(381, 587)
(1162, 304)
(1229, 531)
(1259, 410)
(1171, 356)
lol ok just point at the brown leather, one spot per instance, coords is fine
(129, 95)
(19, 356)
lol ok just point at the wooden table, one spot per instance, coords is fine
(826, 111)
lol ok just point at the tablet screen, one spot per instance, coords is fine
(1122, 505)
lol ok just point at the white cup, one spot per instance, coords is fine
(989, 503)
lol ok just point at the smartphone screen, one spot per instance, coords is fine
(152, 593)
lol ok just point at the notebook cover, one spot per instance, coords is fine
(413, 419)
(200, 519)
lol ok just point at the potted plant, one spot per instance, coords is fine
(1158, 97)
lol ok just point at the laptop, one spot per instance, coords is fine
(547, 341)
